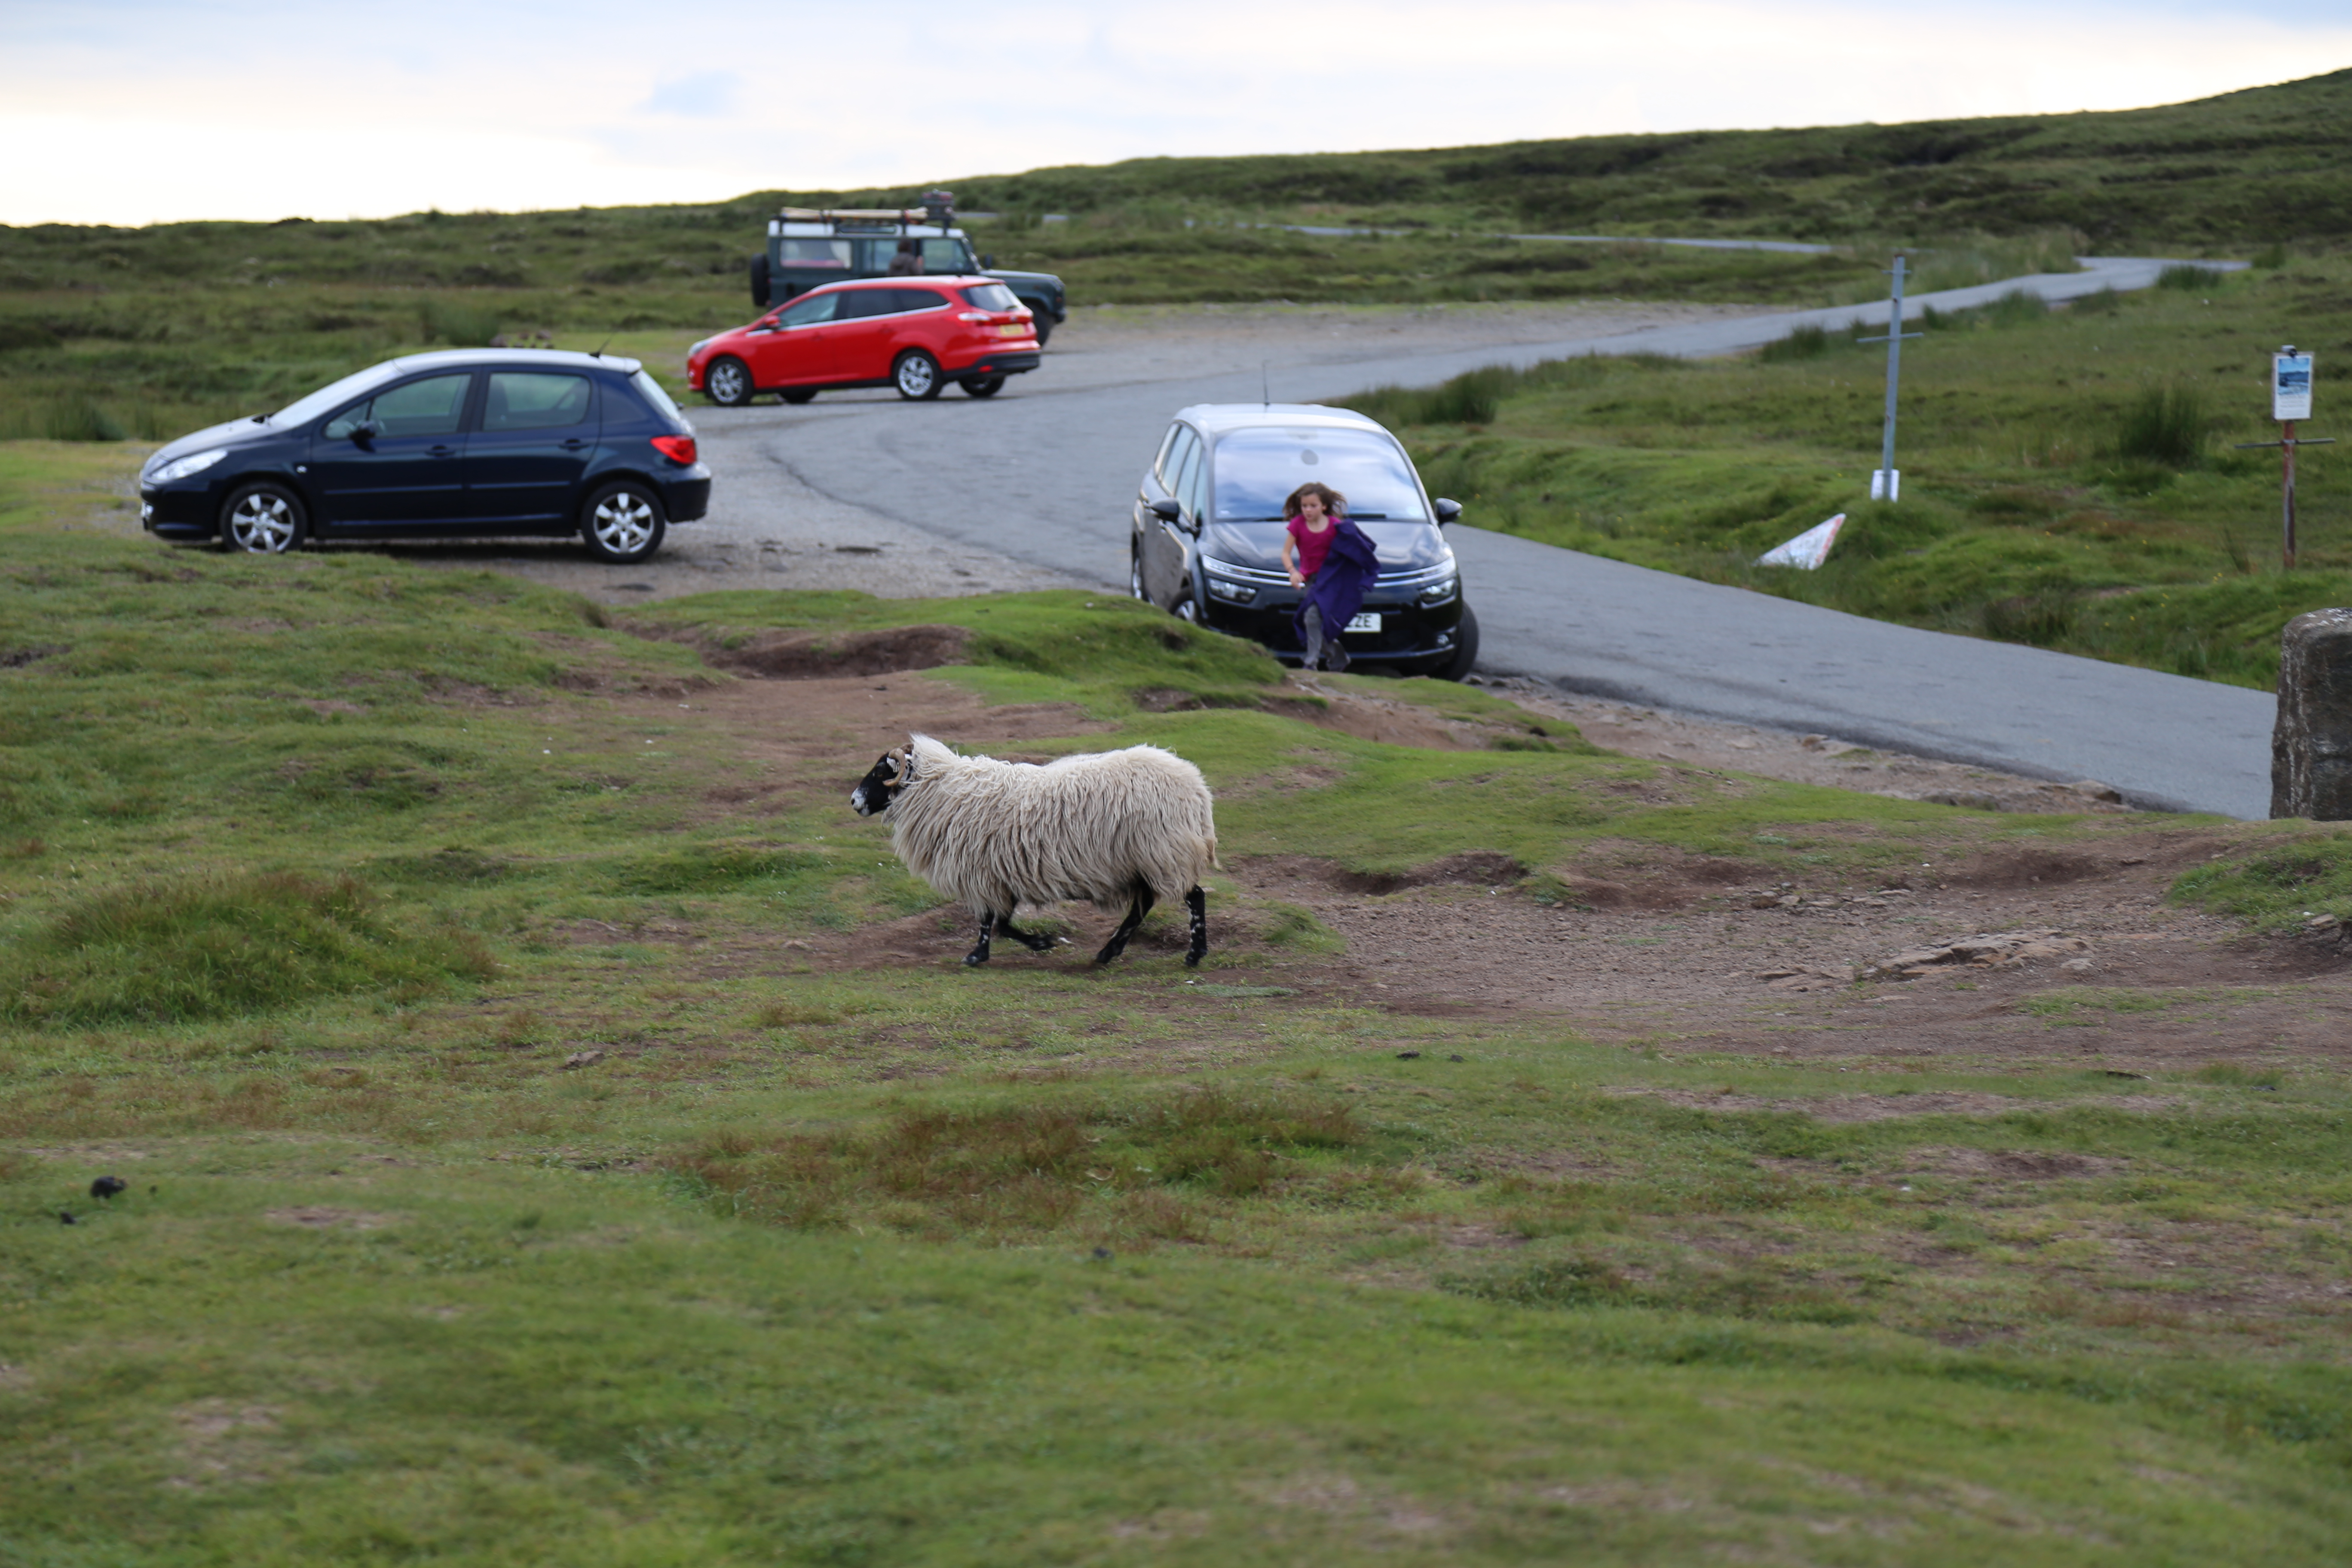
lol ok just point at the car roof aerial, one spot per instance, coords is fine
(1217, 419)
(567, 359)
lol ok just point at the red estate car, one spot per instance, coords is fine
(914, 333)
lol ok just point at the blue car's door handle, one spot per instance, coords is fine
(574, 444)
(442, 451)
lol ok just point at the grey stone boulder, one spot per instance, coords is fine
(2311, 749)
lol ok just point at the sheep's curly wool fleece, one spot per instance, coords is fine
(1092, 827)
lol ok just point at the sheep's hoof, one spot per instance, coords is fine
(975, 960)
(1191, 960)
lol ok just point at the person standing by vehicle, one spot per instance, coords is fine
(1330, 557)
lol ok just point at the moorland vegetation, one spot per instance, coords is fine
(534, 1151)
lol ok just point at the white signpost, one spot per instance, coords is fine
(1885, 483)
(2290, 401)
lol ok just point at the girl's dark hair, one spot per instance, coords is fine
(1334, 503)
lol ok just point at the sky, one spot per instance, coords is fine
(132, 111)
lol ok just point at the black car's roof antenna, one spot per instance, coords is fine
(1264, 385)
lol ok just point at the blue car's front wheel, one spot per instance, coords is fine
(262, 520)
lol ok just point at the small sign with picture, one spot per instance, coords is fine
(2291, 387)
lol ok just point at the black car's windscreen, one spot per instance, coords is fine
(1257, 469)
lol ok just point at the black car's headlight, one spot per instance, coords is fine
(182, 468)
(1230, 593)
(1439, 593)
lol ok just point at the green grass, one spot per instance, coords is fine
(2070, 477)
(2253, 169)
(668, 1239)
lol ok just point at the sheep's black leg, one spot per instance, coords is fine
(1198, 903)
(978, 955)
(1118, 943)
(1028, 939)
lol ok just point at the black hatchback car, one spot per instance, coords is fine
(471, 442)
(1208, 529)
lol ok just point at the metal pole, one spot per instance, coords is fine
(2287, 446)
(1894, 370)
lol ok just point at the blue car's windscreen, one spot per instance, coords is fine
(1257, 469)
(304, 410)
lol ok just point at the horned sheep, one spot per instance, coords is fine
(1110, 828)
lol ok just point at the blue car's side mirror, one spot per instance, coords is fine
(1168, 509)
(366, 431)
(1447, 510)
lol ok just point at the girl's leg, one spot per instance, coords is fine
(1314, 619)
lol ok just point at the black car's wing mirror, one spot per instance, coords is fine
(1447, 510)
(1168, 509)
(366, 431)
(989, 261)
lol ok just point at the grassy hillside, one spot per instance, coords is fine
(522, 1168)
(2246, 169)
(2070, 477)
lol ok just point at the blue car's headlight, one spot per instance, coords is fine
(181, 468)
(1439, 593)
(1232, 593)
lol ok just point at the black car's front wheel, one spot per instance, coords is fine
(623, 522)
(917, 376)
(1187, 608)
(263, 519)
(1042, 324)
(728, 383)
(1135, 589)
(983, 385)
(1464, 657)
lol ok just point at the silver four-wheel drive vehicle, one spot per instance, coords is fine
(1207, 535)
(809, 245)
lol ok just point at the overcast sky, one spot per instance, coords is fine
(135, 110)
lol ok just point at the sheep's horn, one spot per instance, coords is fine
(906, 761)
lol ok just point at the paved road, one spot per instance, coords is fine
(1046, 475)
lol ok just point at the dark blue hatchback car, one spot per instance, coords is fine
(465, 443)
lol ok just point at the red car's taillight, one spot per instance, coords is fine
(676, 448)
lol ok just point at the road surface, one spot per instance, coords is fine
(1044, 475)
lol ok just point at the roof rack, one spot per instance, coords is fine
(938, 207)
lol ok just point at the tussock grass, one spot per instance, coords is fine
(1808, 341)
(2279, 887)
(213, 948)
(2165, 424)
(1104, 1168)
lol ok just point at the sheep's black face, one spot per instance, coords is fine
(877, 789)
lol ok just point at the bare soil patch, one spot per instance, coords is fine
(804, 655)
(1655, 948)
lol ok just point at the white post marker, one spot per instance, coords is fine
(1808, 550)
(2290, 401)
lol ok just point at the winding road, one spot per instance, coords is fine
(1046, 475)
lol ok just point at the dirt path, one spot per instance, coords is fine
(1660, 951)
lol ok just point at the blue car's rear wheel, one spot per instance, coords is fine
(623, 522)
